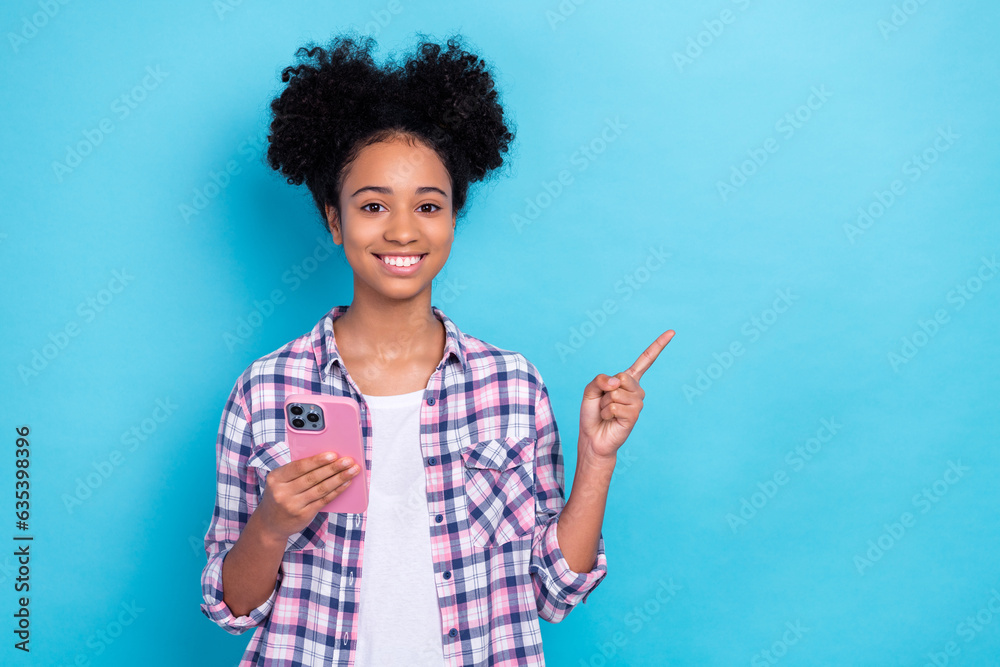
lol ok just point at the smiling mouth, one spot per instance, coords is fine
(401, 260)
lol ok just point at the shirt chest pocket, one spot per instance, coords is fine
(264, 458)
(499, 489)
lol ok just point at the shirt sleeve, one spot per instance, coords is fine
(235, 491)
(557, 588)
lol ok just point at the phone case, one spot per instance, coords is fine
(329, 423)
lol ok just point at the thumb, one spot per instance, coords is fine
(601, 384)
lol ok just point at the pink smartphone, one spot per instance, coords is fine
(316, 424)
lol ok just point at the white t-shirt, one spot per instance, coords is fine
(399, 619)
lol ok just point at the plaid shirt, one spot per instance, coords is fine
(494, 491)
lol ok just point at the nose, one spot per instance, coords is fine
(401, 226)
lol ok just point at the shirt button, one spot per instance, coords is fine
(439, 518)
(432, 461)
(452, 632)
(447, 574)
(430, 401)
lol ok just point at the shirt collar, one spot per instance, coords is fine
(324, 345)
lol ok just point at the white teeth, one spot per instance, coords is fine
(401, 261)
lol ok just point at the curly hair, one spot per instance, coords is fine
(338, 101)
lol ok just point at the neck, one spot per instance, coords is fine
(389, 327)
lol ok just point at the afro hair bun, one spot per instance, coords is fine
(337, 100)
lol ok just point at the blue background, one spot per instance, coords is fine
(696, 93)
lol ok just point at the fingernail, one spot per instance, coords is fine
(353, 469)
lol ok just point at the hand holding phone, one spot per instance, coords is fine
(315, 424)
(296, 492)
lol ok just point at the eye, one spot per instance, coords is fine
(429, 204)
(366, 208)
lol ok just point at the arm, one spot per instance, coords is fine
(250, 570)
(581, 519)
(235, 490)
(558, 586)
(611, 406)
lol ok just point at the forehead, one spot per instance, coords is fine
(399, 164)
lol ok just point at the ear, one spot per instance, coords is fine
(333, 223)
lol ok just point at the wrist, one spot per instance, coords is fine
(594, 472)
(587, 457)
(264, 534)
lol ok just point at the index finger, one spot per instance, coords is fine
(649, 355)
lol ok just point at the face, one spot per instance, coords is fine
(395, 203)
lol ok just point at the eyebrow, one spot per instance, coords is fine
(381, 189)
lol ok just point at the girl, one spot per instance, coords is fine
(458, 554)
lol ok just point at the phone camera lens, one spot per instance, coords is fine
(296, 410)
(313, 417)
(298, 423)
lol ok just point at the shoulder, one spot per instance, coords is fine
(290, 363)
(486, 359)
